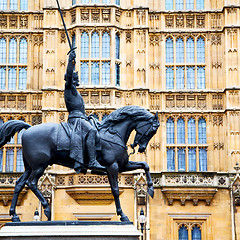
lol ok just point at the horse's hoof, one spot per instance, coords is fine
(124, 218)
(47, 213)
(15, 218)
(150, 191)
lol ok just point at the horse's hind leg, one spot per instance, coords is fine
(113, 180)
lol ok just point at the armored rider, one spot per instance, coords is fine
(83, 137)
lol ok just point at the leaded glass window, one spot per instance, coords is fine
(106, 45)
(169, 50)
(200, 50)
(12, 78)
(22, 78)
(106, 1)
(168, 4)
(202, 138)
(169, 78)
(117, 49)
(13, 4)
(190, 77)
(170, 131)
(95, 73)
(180, 77)
(170, 159)
(201, 82)
(2, 77)
(95, 45)
(190, 50)
(73, 2)
(117, 69)
(9, 159)
(24, 5)
(117, 2)
(95, 1)
(23, 51)
(191, 131)
(85, 1)
(181, 159)
(180, 131)
(192, 159)
(84, 45)
(196, 233)
(20, 165)
(179, 4)
(13, 50)
(200, 4)
(183, 233)
(179, 50)
(3, 5)
(84, 73)
(3, 49)
(106, 73)
(202, 159)
(1, 160)
(190, 4)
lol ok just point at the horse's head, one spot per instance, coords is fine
(145, 130)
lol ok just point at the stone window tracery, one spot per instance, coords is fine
(189, 232)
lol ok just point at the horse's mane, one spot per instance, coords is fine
(135, 112)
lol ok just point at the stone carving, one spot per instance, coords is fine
(36, 120)
(85, 97)
(84, 15)
(22, 102)
(73, 16)
(106, 15)
(3, 21)
(232, 10)
(180, 101)
(141, 16)
(190, 21)
(60, 181)
(62, 117)
(169, 21)
(38, 40)
(117, 15)
(202, 101)
(36, 102)
(140, 187)
(24, 22)
(216, 65)
(191, 101)
(155, 146)
(128, 37)
(216, 21)
(105, 97)
(47, 185)
(217, 120)
(95, 97)
(217, 101)
(62, 37)
(13, 22)
(200, 21)
(179, 21)
(216, 39)
(37, 65)
(154, 40)
(95, 15)
(62, 63)
(2, 101)
(11, 102)
(50, 12)
(170, 101)
(218, 146)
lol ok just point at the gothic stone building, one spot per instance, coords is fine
(177, 57)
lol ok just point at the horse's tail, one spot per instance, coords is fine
(8, 130)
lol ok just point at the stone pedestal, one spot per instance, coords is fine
(74, 230)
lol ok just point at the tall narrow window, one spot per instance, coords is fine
(200, 4)
(183, 233)
(2, 77)
(192, 159)
(1, 160)
(3, 5)
(95, 73)
(74, 40)
(190, 50)
(73, 2)
(169, 50)
(95, 1)
(200, 50)
(95, 45)
(19, 136)
(23, 51)
(189, 4)
(190, 78)
(171, 159)
(202, 159)
(106, 45)
(13, 51)
(85, 1)
(22, 83)
(179, 50)
(12, 78)
(9, 160)
(202, 136)
(179, 4)
(20, 165)
(180, 131)
(169, 78)
(106, 1)
(168, 4)
(196, 233)
(117, 49)
(170, 131)
(201, 82)
(23, 5)
(117, 2)
(84, 45)
(180, 77)
(84, 73)
(191, 131)
(3, 49)
(106, 73)
(117, 70)
(181, 159)
(13, 4)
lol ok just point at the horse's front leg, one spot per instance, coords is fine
(113, 180)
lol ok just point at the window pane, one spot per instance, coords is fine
(181, 159)
(2, 78)
(180, 77)
(23, 51)
(84, 73)
(202, 136)
(191, 131)
(180, 131)
(201, 78)
(190, 4)
(190, 78)
(105, 73)
(200, 4)
(106, 45)
(20, 165)
(73, 40)
(95, 73)
(179, 50)
(196, 233)
(13, 4)
(3, 49)
(22, 79)
(183, 233)
(24, 5)
(73, 2)
(192, 159)
(84, 45)
(95, 1)
(117, 39)
(169, 50)
(171, 159)
(190, 50)
(13, 51)
(19, 136)
(117, 2)
(170, 131)
(3, 5)
(200, 50)
(95, 45)
(117, 69)
(12, 78)
(9, 160)
(1, 160)
(1, 122)
(168, 4)
(179, 4)
(85, 1)
(202, 159)
(169, 78)
(106, 1)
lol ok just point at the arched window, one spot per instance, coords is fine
(24, 5)
(190, 50)
(74, 40)
(170, 159)
(190, 78)
(3, 5)
(201, 81)
(117, 71)
(200, 4)
(169, 78)
(191, 131)
(2, 77)
(106, 45)
(179, 4)
(169, 50)
(3, 48)
(13, 51)
(84, 45)
(179, 50)
(12, 78)
(84, 73)
(183, 233)
(23, 51)
(180, 131)
(95, 45)
(9, 160)
(180, 77)
(117, 42)
(202, 159)
(196, 233)
(192, 159)
(189, 4)
(105, 73)
(95, 73)
(1, 160)
(22, 79)
(20, 165)
(13, 4)
(168, 4)
(170, 131)
(181, 159)
(202, 136)
(200, 50)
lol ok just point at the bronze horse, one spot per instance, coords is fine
(39, 145)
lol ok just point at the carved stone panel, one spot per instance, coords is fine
(106, 15)
(170, 101)
(191, 101)
(200, 21)
(24, 22)
(179, 21)
(3, 21)
(180, 101)
(13, 22)
(85, 15)
(169, 21)
(202, 104)
(190, 21)
(105, 98)
(95, 15)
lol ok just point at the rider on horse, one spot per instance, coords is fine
(83, 135)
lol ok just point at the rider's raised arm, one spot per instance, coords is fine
(70, 69)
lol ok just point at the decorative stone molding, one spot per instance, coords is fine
(169, 21)
(218, 146)
(140, 187)
(216, 39)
